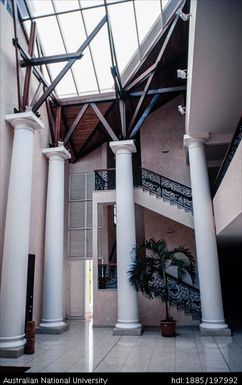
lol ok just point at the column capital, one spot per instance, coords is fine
(123, 146)
(25, 120)
(195, 141)
(60, 152)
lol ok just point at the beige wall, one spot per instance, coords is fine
(163, 131)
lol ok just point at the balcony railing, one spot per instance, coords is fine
(107, 276)
(174, 192)
(181, 294)
(228, 157)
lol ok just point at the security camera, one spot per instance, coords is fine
(182, 109)
(183, 15)
(182, 74)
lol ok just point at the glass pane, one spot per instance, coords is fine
(65, 5)
(73, 30)
(66, 86)
(90, 3)
(92, 17)
(147, 11)
(50, 37)
(84, 74)
(102, 59)
(124, 32)
(40, 7)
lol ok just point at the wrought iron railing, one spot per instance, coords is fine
(228, 157)
(107, 276)
(169, 190)
(181, 294)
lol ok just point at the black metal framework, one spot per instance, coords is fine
(228, 157)
(169, 190)
(180, 293)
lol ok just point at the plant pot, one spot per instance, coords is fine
(168, 328)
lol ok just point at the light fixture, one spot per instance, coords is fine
(182, 74)
(183, 16)
(182, 109)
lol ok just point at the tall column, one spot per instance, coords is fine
(52, 321)
(213, 322)
(16, 236)
(128, 321)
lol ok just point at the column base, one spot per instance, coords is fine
(12, 347)
(214, 329)
(127, 329)
(52, 328)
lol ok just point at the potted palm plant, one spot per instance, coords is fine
(148, 273)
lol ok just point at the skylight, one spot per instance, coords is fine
(63, 25)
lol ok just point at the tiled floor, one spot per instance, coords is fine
(84, 349)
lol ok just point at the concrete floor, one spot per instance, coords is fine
(86, 349)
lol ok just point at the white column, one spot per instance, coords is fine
(16, 236)
(52, 321)
(128, 321)
(213, 322)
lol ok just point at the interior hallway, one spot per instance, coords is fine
(86, 349)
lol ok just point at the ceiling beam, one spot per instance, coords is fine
(57, 125)
(68, 65)
(159, 91)
(70, 132)
(17, 58)
(144, 115)
(25, 99)
(150, 78)
(51, 121)
(122, 110)
(104, 122)
(50, 59)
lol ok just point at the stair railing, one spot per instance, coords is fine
(169, 190)
(181, 294)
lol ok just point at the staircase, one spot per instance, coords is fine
(165, 197)
(154, 192)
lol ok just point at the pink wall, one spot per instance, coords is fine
(163, 131)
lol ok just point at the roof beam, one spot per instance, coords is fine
(51, 121)
(57, 125)
(68, 65)
(159, 91)
(51, 59)
(25, 99)
(75, 123)
(144, 115)
(122, 110)
(104, 122)
(150, 78)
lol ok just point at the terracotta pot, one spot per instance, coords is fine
(168, 328)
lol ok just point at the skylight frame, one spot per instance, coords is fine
(77, 90)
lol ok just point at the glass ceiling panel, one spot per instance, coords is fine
(73, 30)
(40, 7)
(124, 32)
(92, 16)
(65, 5)
(66, 86)
(50, 37)
(102, 59)
(84, 74)
(92, 73)
(147, 11)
